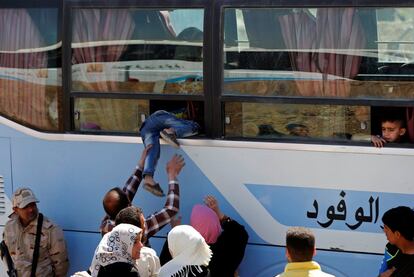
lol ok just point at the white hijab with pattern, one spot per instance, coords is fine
(115, 246)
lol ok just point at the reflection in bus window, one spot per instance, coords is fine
(137, 50)
(113, 115)
(263, 120)
(323, 52)
(30, 73)
(395, 35)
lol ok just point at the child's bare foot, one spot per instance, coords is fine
(151, 186)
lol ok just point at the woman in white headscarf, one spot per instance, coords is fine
(117, 252)
(190, 253)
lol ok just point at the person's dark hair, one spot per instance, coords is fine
(393, 116)
(292, 126)
(130, 215)
(122, 203)
(400, 219)
(300, 242)
(267, 129)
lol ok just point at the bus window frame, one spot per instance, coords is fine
(39, 4)
(222, 99)
(70, 95)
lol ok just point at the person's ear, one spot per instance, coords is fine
(314, 252)
(14, 209)
(402, 131)
(287, 255)
(397, 234)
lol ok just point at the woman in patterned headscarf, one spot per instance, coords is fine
(117, 252)
(190, 253)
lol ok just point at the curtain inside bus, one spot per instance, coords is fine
(410, 123)
(27, 92)
(325, 36)
(101, 34)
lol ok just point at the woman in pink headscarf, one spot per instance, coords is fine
(226, 237)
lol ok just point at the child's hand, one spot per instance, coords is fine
(144, 154)
(378, 141)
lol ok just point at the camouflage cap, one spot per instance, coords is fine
(23, 197)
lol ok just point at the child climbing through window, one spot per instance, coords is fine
(169, 127)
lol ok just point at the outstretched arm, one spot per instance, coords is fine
(158, 220)
(230, 245)
(132, 184)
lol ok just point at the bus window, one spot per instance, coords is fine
(142, 51)
(395, 35)
(349, 53)
(30, 69)
(268, 120)
(319, 52)
(190, 110)
(110, 115)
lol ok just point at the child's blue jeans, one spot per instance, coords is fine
(150, 133)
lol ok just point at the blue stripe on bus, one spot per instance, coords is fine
(295, 206)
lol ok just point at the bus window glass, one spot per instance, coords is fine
(30, 67)
(138, 51)
(319, 52)
(111, 115)
(395, 35)
(298, 121)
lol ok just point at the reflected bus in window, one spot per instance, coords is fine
(138, 51)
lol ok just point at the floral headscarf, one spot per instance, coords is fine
(115, 246)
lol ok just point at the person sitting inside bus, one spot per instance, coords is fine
(169, 127)
(393, 130)
(225, 236)
(297, 130)
(399, 230)
(300, 249)
(117, 199)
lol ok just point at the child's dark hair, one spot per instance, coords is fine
(393, 116)
(400, 219)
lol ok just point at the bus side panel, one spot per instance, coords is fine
(81, 247)
(71, 177)
(6, 178)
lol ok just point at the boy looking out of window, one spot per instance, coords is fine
(392, 130)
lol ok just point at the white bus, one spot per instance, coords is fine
(288, 94)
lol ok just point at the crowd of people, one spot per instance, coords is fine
(213, 244)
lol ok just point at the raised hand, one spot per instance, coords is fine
(174, 166)
(212, 203)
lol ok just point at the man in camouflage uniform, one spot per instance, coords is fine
(20, 233)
